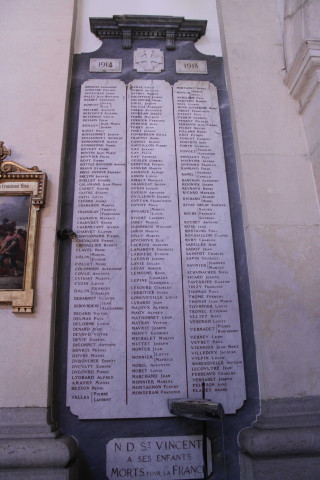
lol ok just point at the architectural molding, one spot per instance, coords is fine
(32, 449)
(287, 429)
(148, 27)
(303, 76)
(289, 412)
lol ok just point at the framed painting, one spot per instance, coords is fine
(22, 194)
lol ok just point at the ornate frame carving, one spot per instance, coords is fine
(17, 181)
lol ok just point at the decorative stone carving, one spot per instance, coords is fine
(302, 49)
(301, 22)
(302, 54)
(130, 27)
(303, 76)
(148, 60)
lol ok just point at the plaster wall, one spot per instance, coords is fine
(35, 43)
(279, 198)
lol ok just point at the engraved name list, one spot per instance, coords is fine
(153, 299)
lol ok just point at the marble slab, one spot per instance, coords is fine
(213, 335)
(199, 67)
(155, 327)
(106, 65)
(153, 298)
(173, 458)
(97, 312)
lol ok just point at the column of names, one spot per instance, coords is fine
(211, 304)
(96, 364)
(156, 343)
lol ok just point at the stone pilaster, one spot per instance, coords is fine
(32, 449)
(284, 442)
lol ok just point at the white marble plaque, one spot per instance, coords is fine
(106, 65)
(213, 333)
(156, 343)
(153, 299)
(199, 67)
(173, 458)
(97, 313)
(148, 60)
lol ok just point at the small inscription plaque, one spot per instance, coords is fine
(192, 66)
(173, 458)
(106, 65)
(148, 60)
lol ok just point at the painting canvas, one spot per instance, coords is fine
(14, 218)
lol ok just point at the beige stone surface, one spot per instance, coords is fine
(311, 119)
(285, 281)
(246, 21)
(35, 44)
(263, 109)
(279, 199)
(280, 190)
(315, 158)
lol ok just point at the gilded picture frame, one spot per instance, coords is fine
(22, 195)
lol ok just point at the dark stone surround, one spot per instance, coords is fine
(223, 434)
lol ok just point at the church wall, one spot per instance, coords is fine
(279, 200)
(273, 140)
(35, 38)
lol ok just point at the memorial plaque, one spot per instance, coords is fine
(199, 67)
(153, 299)
(173, 458)
(106, 65)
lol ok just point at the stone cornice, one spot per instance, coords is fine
(303, 75)
(281, 442)
(285, 427)
(289, 412)
(130, 27)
